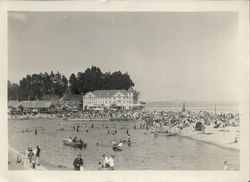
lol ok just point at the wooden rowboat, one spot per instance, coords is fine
(74, 144)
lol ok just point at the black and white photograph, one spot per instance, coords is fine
(126, 91)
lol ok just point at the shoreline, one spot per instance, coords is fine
(13, 165)
(221, 137)
(210, 143)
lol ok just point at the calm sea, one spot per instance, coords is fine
(146, 152)
(221, 107)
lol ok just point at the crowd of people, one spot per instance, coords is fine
(180, 120)
(81, 114)
(76, 140)
(108, 163)
(167, 118)
(31, 157)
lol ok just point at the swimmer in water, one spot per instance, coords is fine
(235, 140)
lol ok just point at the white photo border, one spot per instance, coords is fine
(241, 7)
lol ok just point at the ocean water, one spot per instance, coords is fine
(233, 110)
(146, 152)
(194, 106)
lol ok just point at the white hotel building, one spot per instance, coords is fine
(106, 98)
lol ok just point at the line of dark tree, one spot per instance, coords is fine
(93, 79)
(35, 86)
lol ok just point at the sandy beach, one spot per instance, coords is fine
(222, 137)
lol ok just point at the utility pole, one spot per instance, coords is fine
(215, 114)
(183, 107)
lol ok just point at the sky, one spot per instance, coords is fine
(168, 55)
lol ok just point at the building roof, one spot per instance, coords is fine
(69, 103)
(108, 93)
(14, 103)
(36, 104)
(71, 97)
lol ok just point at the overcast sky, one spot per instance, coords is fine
(184, 56)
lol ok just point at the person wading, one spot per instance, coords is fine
(78, 163)
(36, 152)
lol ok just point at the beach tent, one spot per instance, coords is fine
(198, 126)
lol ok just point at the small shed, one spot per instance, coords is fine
(37, 106)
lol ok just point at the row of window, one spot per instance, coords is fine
(107, 102)
(108, 98)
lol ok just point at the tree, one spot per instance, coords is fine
(60, 84)
(106, 81)
(35, 86)
(126, 82)
(73, 84)
(13, 91)
(93, 79)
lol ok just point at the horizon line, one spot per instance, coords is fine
(191, 100)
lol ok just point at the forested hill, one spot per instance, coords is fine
(35, 86)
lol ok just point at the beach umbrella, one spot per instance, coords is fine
(198, 126)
